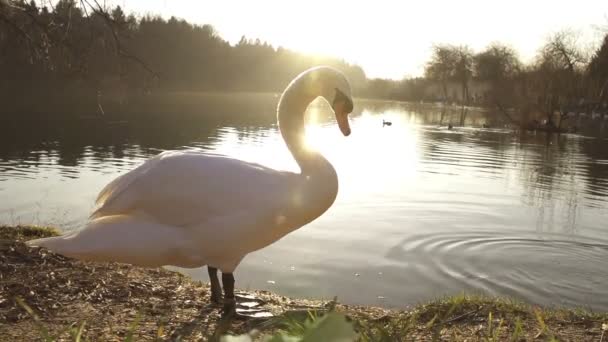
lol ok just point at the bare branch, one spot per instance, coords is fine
(84, 8)
(562, 51)
(111, 24)
(40, 49)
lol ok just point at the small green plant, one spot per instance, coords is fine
(544, 330)
(393, 329)
(518, 331)
(132, 328)
(331, 327)
(43, 331)
(75, 332)
(492, 333)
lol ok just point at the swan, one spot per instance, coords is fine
(192, 209)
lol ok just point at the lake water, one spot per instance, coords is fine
(422, 210)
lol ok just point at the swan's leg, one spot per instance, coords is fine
(216, 289)
(229, 301)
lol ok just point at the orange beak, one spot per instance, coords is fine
(342, 118)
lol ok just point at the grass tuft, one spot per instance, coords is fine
(27, 232)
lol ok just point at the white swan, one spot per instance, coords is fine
(191, 209)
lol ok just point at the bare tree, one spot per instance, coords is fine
(463, 70)
(598, 70)
(451, 63)
(498, 65)
(441, 66)
(559, 74)
(562, 50)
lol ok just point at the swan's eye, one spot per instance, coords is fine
(340, 97)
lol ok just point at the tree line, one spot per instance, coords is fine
(563, 78)
(82, 47)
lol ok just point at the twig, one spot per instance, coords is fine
(111, 23)
(67, 30)
(84, 8)
(504, 112)
(460, 316)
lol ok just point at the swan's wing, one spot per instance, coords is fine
(189, 188)
(113, 189)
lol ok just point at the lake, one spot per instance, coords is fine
(422, 211)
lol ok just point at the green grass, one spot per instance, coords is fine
(29, 232)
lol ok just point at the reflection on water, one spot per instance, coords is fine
(422, 210)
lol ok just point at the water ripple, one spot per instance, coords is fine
(523, 265)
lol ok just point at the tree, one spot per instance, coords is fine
(441, 66)
(463, 69)
(451, 63)
(563, 52)
(563, 61)
(559, 74)
(498, 65)
(598, 70)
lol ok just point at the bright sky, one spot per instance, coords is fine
(388, 38)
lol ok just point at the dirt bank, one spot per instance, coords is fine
(116, 300)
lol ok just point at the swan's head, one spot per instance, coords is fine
(342, 104)
(332, 85)
(323, 81)
(338, 95)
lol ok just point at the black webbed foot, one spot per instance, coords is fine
(229, 308)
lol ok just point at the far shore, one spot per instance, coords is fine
(45, 296)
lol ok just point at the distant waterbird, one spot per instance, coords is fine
(191, 208)
(386, 123)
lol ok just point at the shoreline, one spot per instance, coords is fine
(116, 301)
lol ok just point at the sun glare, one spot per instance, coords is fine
(316, 113)
(389, 39)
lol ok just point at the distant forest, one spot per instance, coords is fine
(80, 50)
(82, 42)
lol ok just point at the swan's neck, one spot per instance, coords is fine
(292, 108)
(320, 177)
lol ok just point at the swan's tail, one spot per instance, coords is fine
(122, 238)
(56, 243)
